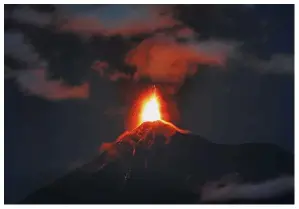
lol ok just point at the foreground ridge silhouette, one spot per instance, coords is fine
(158, 163)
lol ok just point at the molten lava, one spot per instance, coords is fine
(150, 109)
(151, 123)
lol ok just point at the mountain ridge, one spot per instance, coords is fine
(149, 168)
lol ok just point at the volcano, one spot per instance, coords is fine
(158, 163)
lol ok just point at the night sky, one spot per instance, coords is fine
(72, 72)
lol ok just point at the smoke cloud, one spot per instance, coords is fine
(165, 60)
(25, 14)
(102, 68)
(117, 19)
(276, 64)
(168, 55)
(35, 82)
(247, 191)
(15, 46)
(162, 58)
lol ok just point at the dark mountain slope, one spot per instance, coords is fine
(140, 168)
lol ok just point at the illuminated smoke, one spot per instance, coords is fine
(164, 60)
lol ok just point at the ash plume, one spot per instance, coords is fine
(163, 59)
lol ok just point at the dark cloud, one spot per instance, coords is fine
(35, 82)
(169, 48)
(276, 64)
(13, 63)
(16, 47)
(117, 19)
(27, 15)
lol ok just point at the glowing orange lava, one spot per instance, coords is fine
(150, 109)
